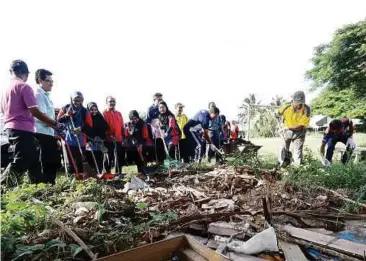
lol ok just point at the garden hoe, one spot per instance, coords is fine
(285, 155)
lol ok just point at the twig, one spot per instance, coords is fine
(343, 197)
(75, 237)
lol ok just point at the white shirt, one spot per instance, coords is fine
(45, 105)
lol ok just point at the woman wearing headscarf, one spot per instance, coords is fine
(79, 125)
(166, 128)
(137, 140)
(95, 139)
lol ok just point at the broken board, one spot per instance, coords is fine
(292, 252)
(190, 248)
(341, 245)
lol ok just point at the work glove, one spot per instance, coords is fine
(326, 163)
(350, 143)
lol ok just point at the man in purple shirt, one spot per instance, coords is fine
(19, 106)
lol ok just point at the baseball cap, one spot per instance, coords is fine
(157, 95)
(19, 67)
(178, 105)
(298, 97)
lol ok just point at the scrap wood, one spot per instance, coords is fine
(212, 217)
(319, 248)
(343, 197)
(75, 237)
(341, 245)
(292, 252)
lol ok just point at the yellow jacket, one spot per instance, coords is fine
(181, 121)
(292, 117)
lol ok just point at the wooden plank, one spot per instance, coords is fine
(190, 255)
(243, 257)
(292, 252)
(154, 252)
(224, 229)
(204, 251)
(341, 245)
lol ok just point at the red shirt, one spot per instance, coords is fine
(114, 120)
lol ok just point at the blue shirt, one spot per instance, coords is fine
(45, 105)
(152, 113)
(200, 121)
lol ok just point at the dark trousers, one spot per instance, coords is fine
(26, 158)
(134, 157)
(50, 157)
(76, 156)
(183, 150)
(112, 147)
(195, 145)
(160, 150)
(98, 155)
(331, 143)
(215, 139)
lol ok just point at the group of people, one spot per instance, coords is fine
(101, 138)
(296, 120)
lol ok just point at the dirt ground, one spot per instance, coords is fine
(271, 145)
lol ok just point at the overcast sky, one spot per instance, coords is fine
(191, 51)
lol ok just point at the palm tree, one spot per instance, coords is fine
(277, 101)
(248, 101)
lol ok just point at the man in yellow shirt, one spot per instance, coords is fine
(296, 118)
(182, 120)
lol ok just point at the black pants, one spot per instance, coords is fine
(76, 156)
(98, 159)
(160, 150)
(184, 150)
(50, 157)
(120, 156)
(26, 158)
(134, 157)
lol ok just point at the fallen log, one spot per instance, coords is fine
(340, 245)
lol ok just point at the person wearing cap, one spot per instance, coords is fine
(153, 111)
(137, 140)
(50, 156)
(95, 148)
(182, 120)
(193, 129)
(296, 118)
(79, 126)
(19, 106)
(340, 130)
(114, 136)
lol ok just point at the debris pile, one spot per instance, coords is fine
(229, 209)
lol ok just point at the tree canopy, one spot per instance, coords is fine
(341, 64)
(336, 103)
